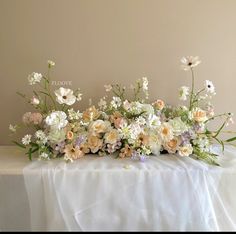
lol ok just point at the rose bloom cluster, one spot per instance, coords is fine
(120, 126)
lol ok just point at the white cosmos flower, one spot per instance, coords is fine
(183, 93)
(57, 120)
(108, 88)
(65, 96)
(34, 78)
(209, 87)
(189, 62)
(26, 139)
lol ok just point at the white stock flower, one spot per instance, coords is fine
(185, 150)
(57, 120)
(209, 87)
(34, 78)
(12, 128)
(145, 84)
(65, 96)
(189, 62)
(108, 88)
(26, 139)
(183, 93)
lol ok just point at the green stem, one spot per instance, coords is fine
(192, 91)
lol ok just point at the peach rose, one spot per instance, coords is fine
(159, 104)
(200, 115)
(90, 114)
(99, 126)
(126, 152)
(69, 135)
(143, 139)
(172, 145)
(112, 137)
(73, 153)
(94, 143)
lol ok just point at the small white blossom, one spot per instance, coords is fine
(73, 115)
(183, 93)
(12, 128)
(44, 156)
(79, 97)
(108, 88)
(51, 63)
(40, 135)
(116, 102)
(102, 103)
(34, 78)
(34, 101)
(189, 62)
(26, 139)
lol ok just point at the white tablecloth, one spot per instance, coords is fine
(103, 194)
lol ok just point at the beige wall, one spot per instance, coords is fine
(94, 42)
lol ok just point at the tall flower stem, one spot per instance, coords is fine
(192, 91)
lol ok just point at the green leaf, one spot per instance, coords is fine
(221, 142)
(231, 139)
(21, 94)
(30, 154)
(19, 144)
(218, 132)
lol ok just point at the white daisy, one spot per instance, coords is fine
(34, 78)
(189, 62)
(209, 87)
(26, 139)
(65, 96)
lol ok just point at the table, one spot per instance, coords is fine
(166, 193)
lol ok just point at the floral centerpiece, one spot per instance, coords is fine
(123, 125)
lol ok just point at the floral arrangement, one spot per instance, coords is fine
(123, 125)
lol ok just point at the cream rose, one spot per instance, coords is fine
(99, 126)
(186, 150)
(112, 137)
(172, 145)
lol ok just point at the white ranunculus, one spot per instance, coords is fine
(178, 126)
(153, 121)
(65, 96)
(56, 136)
(57, 120)
(185, 150)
